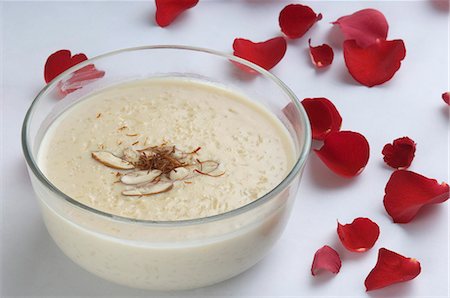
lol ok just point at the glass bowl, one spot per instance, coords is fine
(166, 255)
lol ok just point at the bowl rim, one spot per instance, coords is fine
(300, 162)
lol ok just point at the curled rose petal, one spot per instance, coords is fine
(360, 235)
(391, 268)
(80, 78)
(400, 153)
(407, 192)
(375, 64)
(365, 26)
(296, 19)
(60, 61)
(321, 56)
(168, 10)
(345, 152)
(326, 258)
(266, 54)
(323, 116)
(446, 97)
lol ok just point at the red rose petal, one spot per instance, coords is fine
(366, 27)
(168, 10)
(80, 78)
(321, 56)
(400, 153)
(266, 54)
(360, 235)
(391, 268)
(375, 64)
(446, 97)
(345, 152)
(326, 258)
(407, 192)
(323, 116)
(60, 61)
(296, 19)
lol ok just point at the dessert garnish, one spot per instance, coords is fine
(112, 161)
(155, 169)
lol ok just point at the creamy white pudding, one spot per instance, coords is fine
(252, 150)
(233, 149)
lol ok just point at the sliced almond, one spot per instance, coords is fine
(140, 177)
(181, 173)
(112, 161)
(148, 190)
(131, 155)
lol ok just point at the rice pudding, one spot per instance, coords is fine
(229, 150)
(156, 152)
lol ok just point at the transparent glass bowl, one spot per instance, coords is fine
(167, 255)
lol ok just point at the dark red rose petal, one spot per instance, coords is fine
(168, 10)
(323, 116)
(360, 235)
(376, 64)
(296, 19)
(365, 26)
(345, 152)
(407, 192)
(400, 153)
(326, 258)
(321, 56)
(446, 97)
(391, 268)
(60, 61)
(266, 54)
(80, 78)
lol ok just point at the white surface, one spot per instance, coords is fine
(410, 104)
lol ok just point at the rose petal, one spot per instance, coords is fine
(321, 56)
(323, 116)
(360, 235)
(296, 19)
(375, 64)
(391, 268)
(400, 153)
(407, 192)
(60, 61)
(366, 26)
(326, 258)
(80, 78)
(446, 97)
(345, 152)
(266, 54)
(168, 10)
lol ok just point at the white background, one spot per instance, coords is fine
(410, 104)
